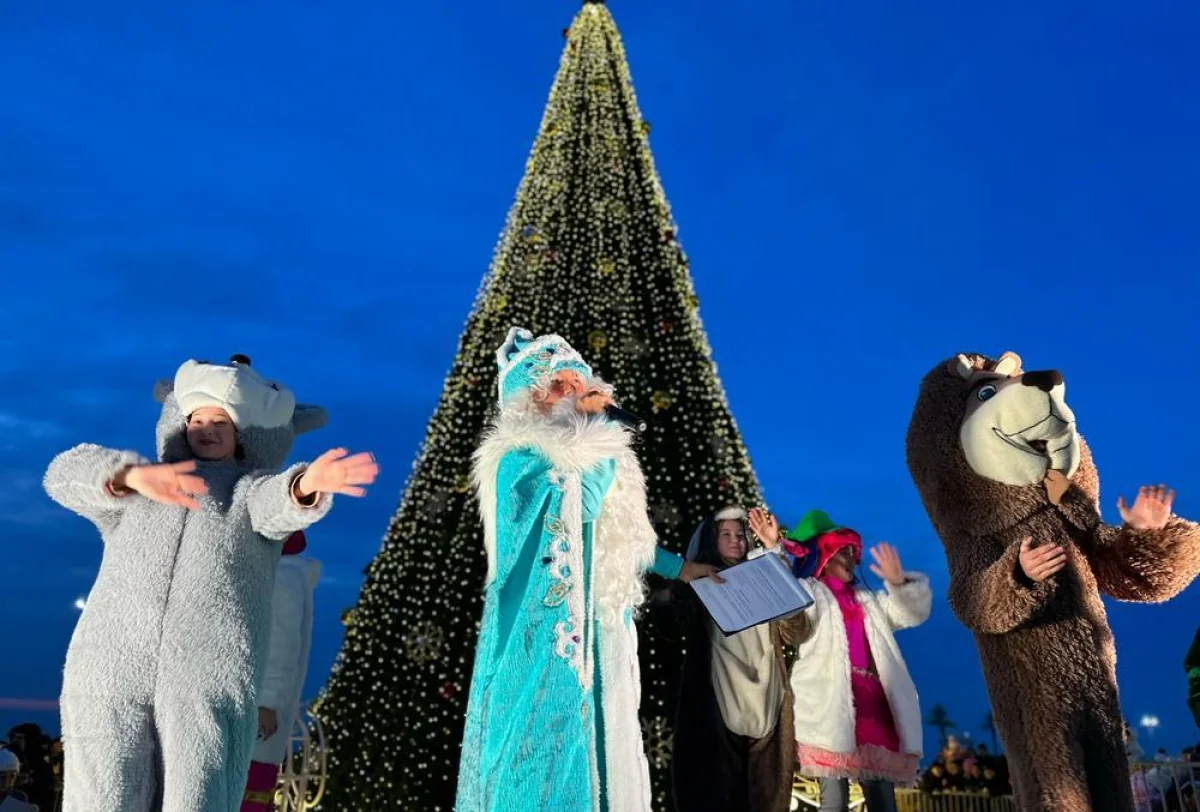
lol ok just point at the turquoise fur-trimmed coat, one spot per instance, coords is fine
(552, 719)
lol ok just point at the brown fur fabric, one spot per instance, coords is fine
(1046, 649)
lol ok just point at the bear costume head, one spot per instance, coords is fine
(266, 414)
(989, 444)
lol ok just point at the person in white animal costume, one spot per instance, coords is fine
(158, 703)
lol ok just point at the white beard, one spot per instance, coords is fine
(564, 412)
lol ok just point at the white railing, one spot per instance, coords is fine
(806, 795)
(1157, 787)
(1164, 785)
(303, 774)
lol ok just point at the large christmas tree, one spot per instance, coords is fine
(589, 251)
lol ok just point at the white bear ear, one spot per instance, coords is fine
(162, 389)
(962, 367)
(1009, 364)
(308, 418)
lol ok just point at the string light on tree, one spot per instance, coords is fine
(589, 251)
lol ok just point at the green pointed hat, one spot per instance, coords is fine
(811, 525)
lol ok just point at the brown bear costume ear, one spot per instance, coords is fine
(1009, 365)
(961, 366)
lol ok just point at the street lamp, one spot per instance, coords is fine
(1149, 722)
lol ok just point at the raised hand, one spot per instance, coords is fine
(1040, 563)
(1150, 510)
(693, 570)
(765, 527)
(168, 483)
(887, 564)
(335, 472)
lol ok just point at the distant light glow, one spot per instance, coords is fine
(1149, 721)
(80, 603)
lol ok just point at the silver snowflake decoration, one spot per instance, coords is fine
(424, 643)
(658, 740)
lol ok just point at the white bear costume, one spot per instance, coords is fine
(158, 703)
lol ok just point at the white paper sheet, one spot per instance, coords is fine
(754, 592)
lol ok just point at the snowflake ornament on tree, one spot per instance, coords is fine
(424, 643)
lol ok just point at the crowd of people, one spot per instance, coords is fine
(30, 769)
(972, 770)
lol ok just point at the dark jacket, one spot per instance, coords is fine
(713, 770)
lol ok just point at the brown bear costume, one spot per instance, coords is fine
(996, 458)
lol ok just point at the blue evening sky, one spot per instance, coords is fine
(863, 189)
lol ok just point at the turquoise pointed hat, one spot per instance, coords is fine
(525, 361)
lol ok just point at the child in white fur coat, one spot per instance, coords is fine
(857, 714)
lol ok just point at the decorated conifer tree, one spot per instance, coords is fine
(590, 252)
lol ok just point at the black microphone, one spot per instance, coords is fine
(619, 415)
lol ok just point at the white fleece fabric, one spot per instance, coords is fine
(248, 398)
(158, 702)
(287, 660)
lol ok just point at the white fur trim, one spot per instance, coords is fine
(628, 787)
(731, 514)
(625, 541)
(576, 447)
(250, 399)
(823, 701)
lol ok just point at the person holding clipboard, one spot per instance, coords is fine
(856, 712)
(734, 742)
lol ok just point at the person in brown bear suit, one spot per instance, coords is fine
(1012, 491)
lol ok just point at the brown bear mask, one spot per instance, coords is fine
(986, 440)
